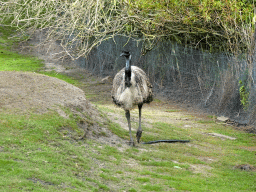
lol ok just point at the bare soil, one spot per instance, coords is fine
(23, 91)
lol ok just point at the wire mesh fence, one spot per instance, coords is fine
(211, 81)
(220, 83)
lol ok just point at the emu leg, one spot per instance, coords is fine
(139, 131)
(127, 114)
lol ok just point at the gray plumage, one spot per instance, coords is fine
(131, 88)
(140, 91)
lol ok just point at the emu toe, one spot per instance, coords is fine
(138, 135)
(131, 143)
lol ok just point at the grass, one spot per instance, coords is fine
(35, 156)
(60, 76)
(172, 110)
(11, 61)
(172, 165)
(39, 152)
(14, 62)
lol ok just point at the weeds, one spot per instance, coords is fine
(244, 95)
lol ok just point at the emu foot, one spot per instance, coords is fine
(138, 135)
(131, 143)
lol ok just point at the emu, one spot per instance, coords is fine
(131, 87)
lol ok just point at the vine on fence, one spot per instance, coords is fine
(244, 95)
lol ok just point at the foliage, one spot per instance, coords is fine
(213, 25)
(244, 90)
(244, 95)
(81, 25)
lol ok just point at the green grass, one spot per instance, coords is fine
(40, 152)
(172, 110)
(35, 156)
(10, 61)
(157, 100)
(68, 79)
(171, 165)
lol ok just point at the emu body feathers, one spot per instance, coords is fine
(138, 93)
(131, 87)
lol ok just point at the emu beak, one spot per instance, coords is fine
(125, 53)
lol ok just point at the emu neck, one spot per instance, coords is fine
(128, 64)
(128, 73)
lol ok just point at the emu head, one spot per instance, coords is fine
(126, 54)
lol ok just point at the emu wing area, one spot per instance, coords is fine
(140, 92)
